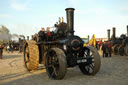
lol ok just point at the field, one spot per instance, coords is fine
(114, 71)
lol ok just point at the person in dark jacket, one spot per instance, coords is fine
(109, 47)
(41, 35)
(42, 38)
(104, 49)
(1, 51)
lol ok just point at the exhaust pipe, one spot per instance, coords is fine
(70, 21)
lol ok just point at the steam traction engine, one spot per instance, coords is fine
(62, 51)
(120, 44)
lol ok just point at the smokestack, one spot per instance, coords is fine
(127, 30)
(108, 34)
(88, 38)
(27, 37)
(70, 20)
(114, 33)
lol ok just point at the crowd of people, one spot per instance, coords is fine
(107, 49)
(43, 35)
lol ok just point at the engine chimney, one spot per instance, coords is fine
(70, 21)
(114, 33)
(108, 34)
(88, 38)
(27, 37)
(127, 30)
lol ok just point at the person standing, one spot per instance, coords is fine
(109, 47)
(20, 45)
(11, 46)
(42, 38)
(48, 34)
(8, 48)
(1, 51)
(41, 35)
(104, 49)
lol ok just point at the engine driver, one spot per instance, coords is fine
(48, 34)
(41, 34)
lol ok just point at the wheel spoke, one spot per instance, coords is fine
(52, 74)
(91, 66)
(87, 68)
(85, 54)
(54, 69)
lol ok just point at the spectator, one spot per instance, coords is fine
(41, 34)
(8, 48)
(1, 51)
(109, 47)
(104, 49)
(48, 34)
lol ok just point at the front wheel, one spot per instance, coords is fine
(121, 50)
(115, 49)
(56, 65)
(92, 66)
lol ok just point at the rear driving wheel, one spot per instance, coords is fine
(56, 63)
(31, 55)
(92, 66)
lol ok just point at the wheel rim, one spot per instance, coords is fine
(26, 57)
(92, 65)
(52, 64)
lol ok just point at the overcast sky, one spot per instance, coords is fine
(91, 16)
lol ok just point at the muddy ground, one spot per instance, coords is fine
(114, 71)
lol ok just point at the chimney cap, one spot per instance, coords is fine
(67, 9)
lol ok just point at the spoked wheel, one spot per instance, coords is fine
(31, 55)
(121, 50)
(56, 63)
(92, 66)
(115, 49)
(126, 50)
